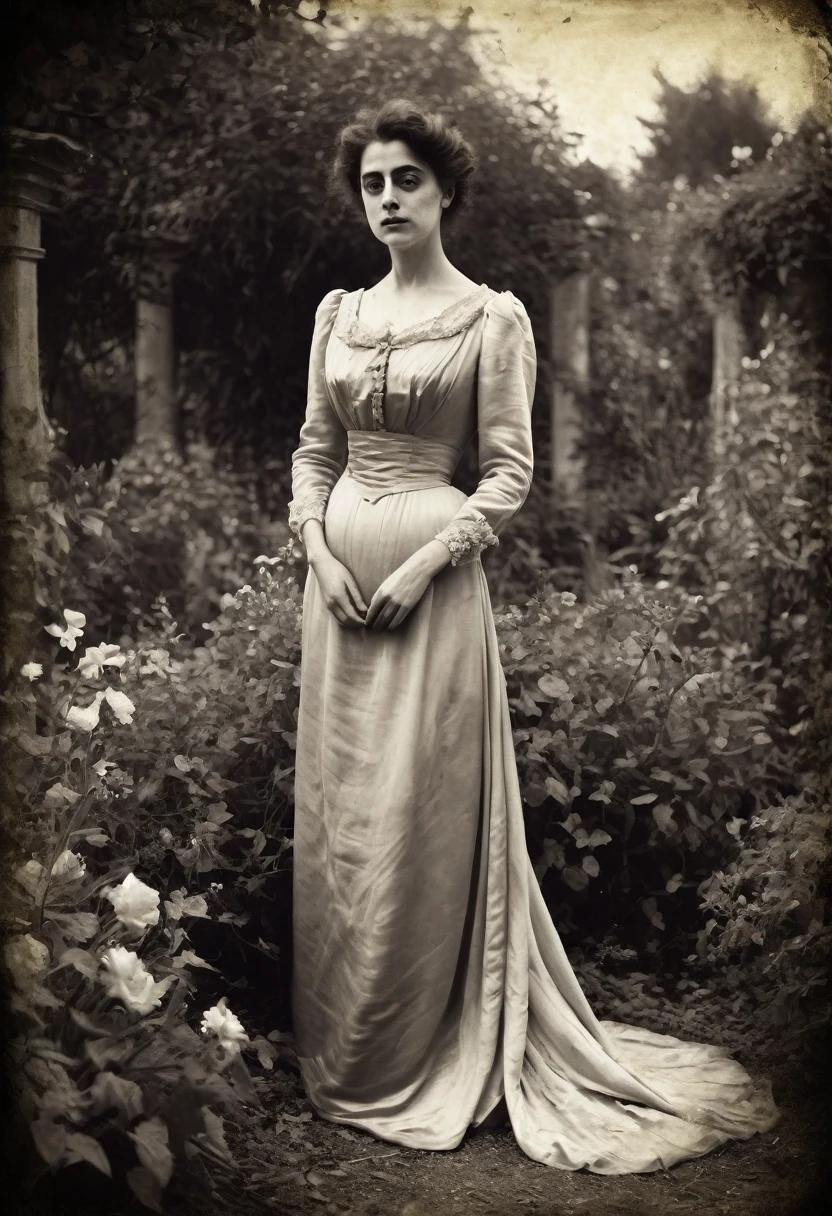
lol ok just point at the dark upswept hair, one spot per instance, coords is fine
(435, 140)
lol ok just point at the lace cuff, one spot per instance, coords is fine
(311, 506)
(467, 539)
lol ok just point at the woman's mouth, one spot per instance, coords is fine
(389, 223)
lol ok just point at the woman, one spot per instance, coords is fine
(430, 988)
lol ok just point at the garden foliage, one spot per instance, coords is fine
(146, 768)
(158, 524)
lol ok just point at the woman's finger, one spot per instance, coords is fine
(377, 603)
(400, 617)
(345, 614)
(386, 615)
(352, 619)
(379, 621)
(356, 596)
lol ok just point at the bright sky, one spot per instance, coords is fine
(599, 62)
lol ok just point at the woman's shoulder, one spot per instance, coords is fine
(505, 306)
(332, 301)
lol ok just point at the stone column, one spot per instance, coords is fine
(35, 165)
(570, 383)
(729, 344)
(156, 411)
(570, 324)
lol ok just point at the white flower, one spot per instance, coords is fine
(121, 705)
(128, 980)
(228, 1028)
(262, 560)
(69, 866)
(568, 598)
(26, 958)
(31, 671)
(88, 718)
(75, 622)
(180, 904)
(135, 903)
(97, 658)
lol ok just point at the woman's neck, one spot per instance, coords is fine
(425, 266)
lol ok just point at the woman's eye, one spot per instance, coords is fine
(410, 181)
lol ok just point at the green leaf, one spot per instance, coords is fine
(650, 910)
(575, 877)
(553, 687)
(146, 1187)
(77, 926)
(663, 816)
(89, 1150)
(50, 1140)
(151, 1141)
(556, 788)
(33, 745)
(534, 794)
(81, 960)
(111, 1092)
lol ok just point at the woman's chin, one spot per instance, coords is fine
(398, 236)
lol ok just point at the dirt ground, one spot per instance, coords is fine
(297, 1164)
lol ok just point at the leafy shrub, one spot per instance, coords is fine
(751, 542)
(693, 1003)
(129, 777)
(186, 529)
(639, 760)
(767, 913)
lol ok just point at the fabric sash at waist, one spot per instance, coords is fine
(384, 462)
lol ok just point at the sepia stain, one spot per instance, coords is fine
(599, 56)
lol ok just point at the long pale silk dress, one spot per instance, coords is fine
(429, 980)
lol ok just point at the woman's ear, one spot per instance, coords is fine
(448, 197)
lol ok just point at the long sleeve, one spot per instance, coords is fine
(505, 392)
(321, 454)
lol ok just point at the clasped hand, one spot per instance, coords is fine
(397, 596)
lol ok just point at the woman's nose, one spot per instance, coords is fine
(388, 197)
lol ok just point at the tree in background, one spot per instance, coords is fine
(652, 325)
(698, 131)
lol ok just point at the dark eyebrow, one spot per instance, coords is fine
(398, 169)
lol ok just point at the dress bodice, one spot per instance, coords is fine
(419, 380)
(472, 368)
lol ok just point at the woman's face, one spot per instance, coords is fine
(402, 195)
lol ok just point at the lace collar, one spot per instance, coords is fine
(452, 320)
